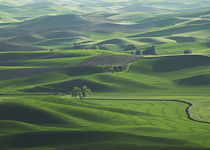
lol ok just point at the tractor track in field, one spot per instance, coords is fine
(165, 116)
(204, 142)
(178, 114)
(163, 113)
(160, 100)
(148, 109)
(157, 100)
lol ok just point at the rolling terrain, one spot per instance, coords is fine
(171, 34)
(106, 124)
(150, 102)
(143, 105)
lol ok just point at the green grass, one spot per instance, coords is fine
(148, 76)
(49, 59)
(172, 34)
(178, 48)
(174, 30)
(131, 16)
(168, 77)
(183, 39)
(142, 108)
(112, 124)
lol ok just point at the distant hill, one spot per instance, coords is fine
(184, 28)
(63, 34)
(79, 23)
(28, 38)
(106, 6)
(18, 46)
(55, 22)
(106, 25)
(139, 8)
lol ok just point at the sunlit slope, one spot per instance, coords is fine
(102, 6)
(171, 34)
(110, 124)
(173, 75)
(22, 69)
(191, 32)
(47, 58)
(166, 75)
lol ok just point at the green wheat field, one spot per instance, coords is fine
(139, 100)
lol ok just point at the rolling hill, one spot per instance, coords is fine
(18, 46)
(169, 32)
(150, 102)
(78, 23)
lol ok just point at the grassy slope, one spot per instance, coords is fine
(172, 34)
(150, 76)
(106, 124)
(169, 39)
(109, 124)
(35, 68)
(160, 75)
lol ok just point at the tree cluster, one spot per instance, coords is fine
(116, 68)
(79, 46)
(81, 92)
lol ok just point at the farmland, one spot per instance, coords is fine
(152, 124)
(131, 111)
(153, 102)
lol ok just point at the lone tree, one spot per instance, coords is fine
(80, 92)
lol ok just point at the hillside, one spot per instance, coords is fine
(114, 32)
(129, 134)
(18, 46)
(107, 6)
(78, 23)
(104, 75)
(138, 106)
(158, 73)
(109, 60)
